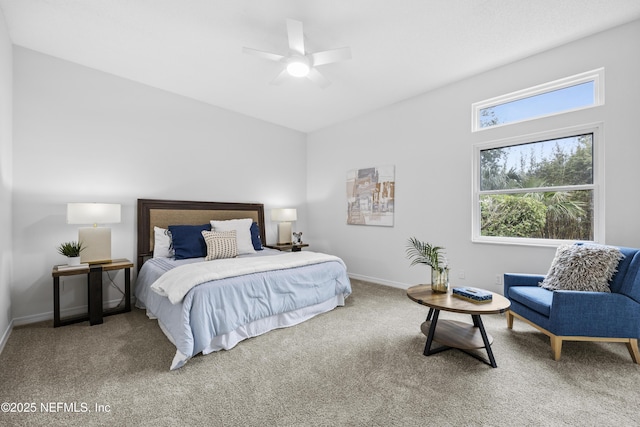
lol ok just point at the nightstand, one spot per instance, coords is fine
(94, 283)
(288, 247)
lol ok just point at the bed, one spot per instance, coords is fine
(208, 303)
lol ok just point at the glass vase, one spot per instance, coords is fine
(440, 280)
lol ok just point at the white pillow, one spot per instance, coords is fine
(243, 232)
(162, 243)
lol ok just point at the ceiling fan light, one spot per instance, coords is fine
(298, 68)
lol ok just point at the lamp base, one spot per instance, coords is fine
(97, 243)
(284, 233)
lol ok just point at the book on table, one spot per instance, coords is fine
(72, 267)
(473, 294)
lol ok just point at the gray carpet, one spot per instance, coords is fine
(361, 364)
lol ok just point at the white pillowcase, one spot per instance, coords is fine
(162, 243)
(243, 232)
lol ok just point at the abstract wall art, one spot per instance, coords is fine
(370, 196)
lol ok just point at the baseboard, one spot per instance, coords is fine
(5, 335)
(73, 311)
(379, 281)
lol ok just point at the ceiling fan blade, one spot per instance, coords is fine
(280, 78)
(315, 76)
(329, 56)
(262, 54)
(296, 36)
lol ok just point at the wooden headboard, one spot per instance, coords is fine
(162, 213)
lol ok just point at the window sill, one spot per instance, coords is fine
(521, 241)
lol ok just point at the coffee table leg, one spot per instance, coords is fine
(430, 314)
(432, 331)
(477, 321)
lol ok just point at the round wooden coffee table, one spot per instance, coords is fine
(452, 333)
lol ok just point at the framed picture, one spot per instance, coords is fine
(370, 196)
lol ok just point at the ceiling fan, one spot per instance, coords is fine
(300, 63)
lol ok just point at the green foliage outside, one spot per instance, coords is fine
(561, 162)
(512, 216)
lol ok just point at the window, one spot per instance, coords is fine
(569, 94)
(539, 189)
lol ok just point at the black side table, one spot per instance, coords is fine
(288, 247)
(94, 283)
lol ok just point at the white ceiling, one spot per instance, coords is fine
(400, 48)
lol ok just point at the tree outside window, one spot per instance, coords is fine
(538, 190)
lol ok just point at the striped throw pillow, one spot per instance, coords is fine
(220, 244)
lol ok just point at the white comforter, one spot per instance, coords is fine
(175, 283)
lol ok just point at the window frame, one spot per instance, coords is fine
(597, 129)
(596, 76)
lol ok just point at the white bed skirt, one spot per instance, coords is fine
(258, 327)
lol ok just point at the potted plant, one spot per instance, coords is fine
(424, 253)
(72, 251)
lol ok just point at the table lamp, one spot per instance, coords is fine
(96, 240)
(284, 218)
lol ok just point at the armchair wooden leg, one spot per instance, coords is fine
(556, 346)
(632, 346)
(509, 319)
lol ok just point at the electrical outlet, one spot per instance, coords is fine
(461, 275)
(498, 279)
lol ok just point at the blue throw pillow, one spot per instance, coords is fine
(188, 241)
(255, 237)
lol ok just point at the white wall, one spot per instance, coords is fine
(6, 124)
(429, 140)
(83, 135)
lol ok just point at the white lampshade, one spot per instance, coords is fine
(284, 218)
(96, 240)
(284, 215)
(93, 213)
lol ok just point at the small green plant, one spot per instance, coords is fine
(424, 253)
(71, 249)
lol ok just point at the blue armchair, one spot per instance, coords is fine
(579, 315)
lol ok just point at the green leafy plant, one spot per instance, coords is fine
(424, 253)
(71, 249)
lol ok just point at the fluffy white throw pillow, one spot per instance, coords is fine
(583, 268)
